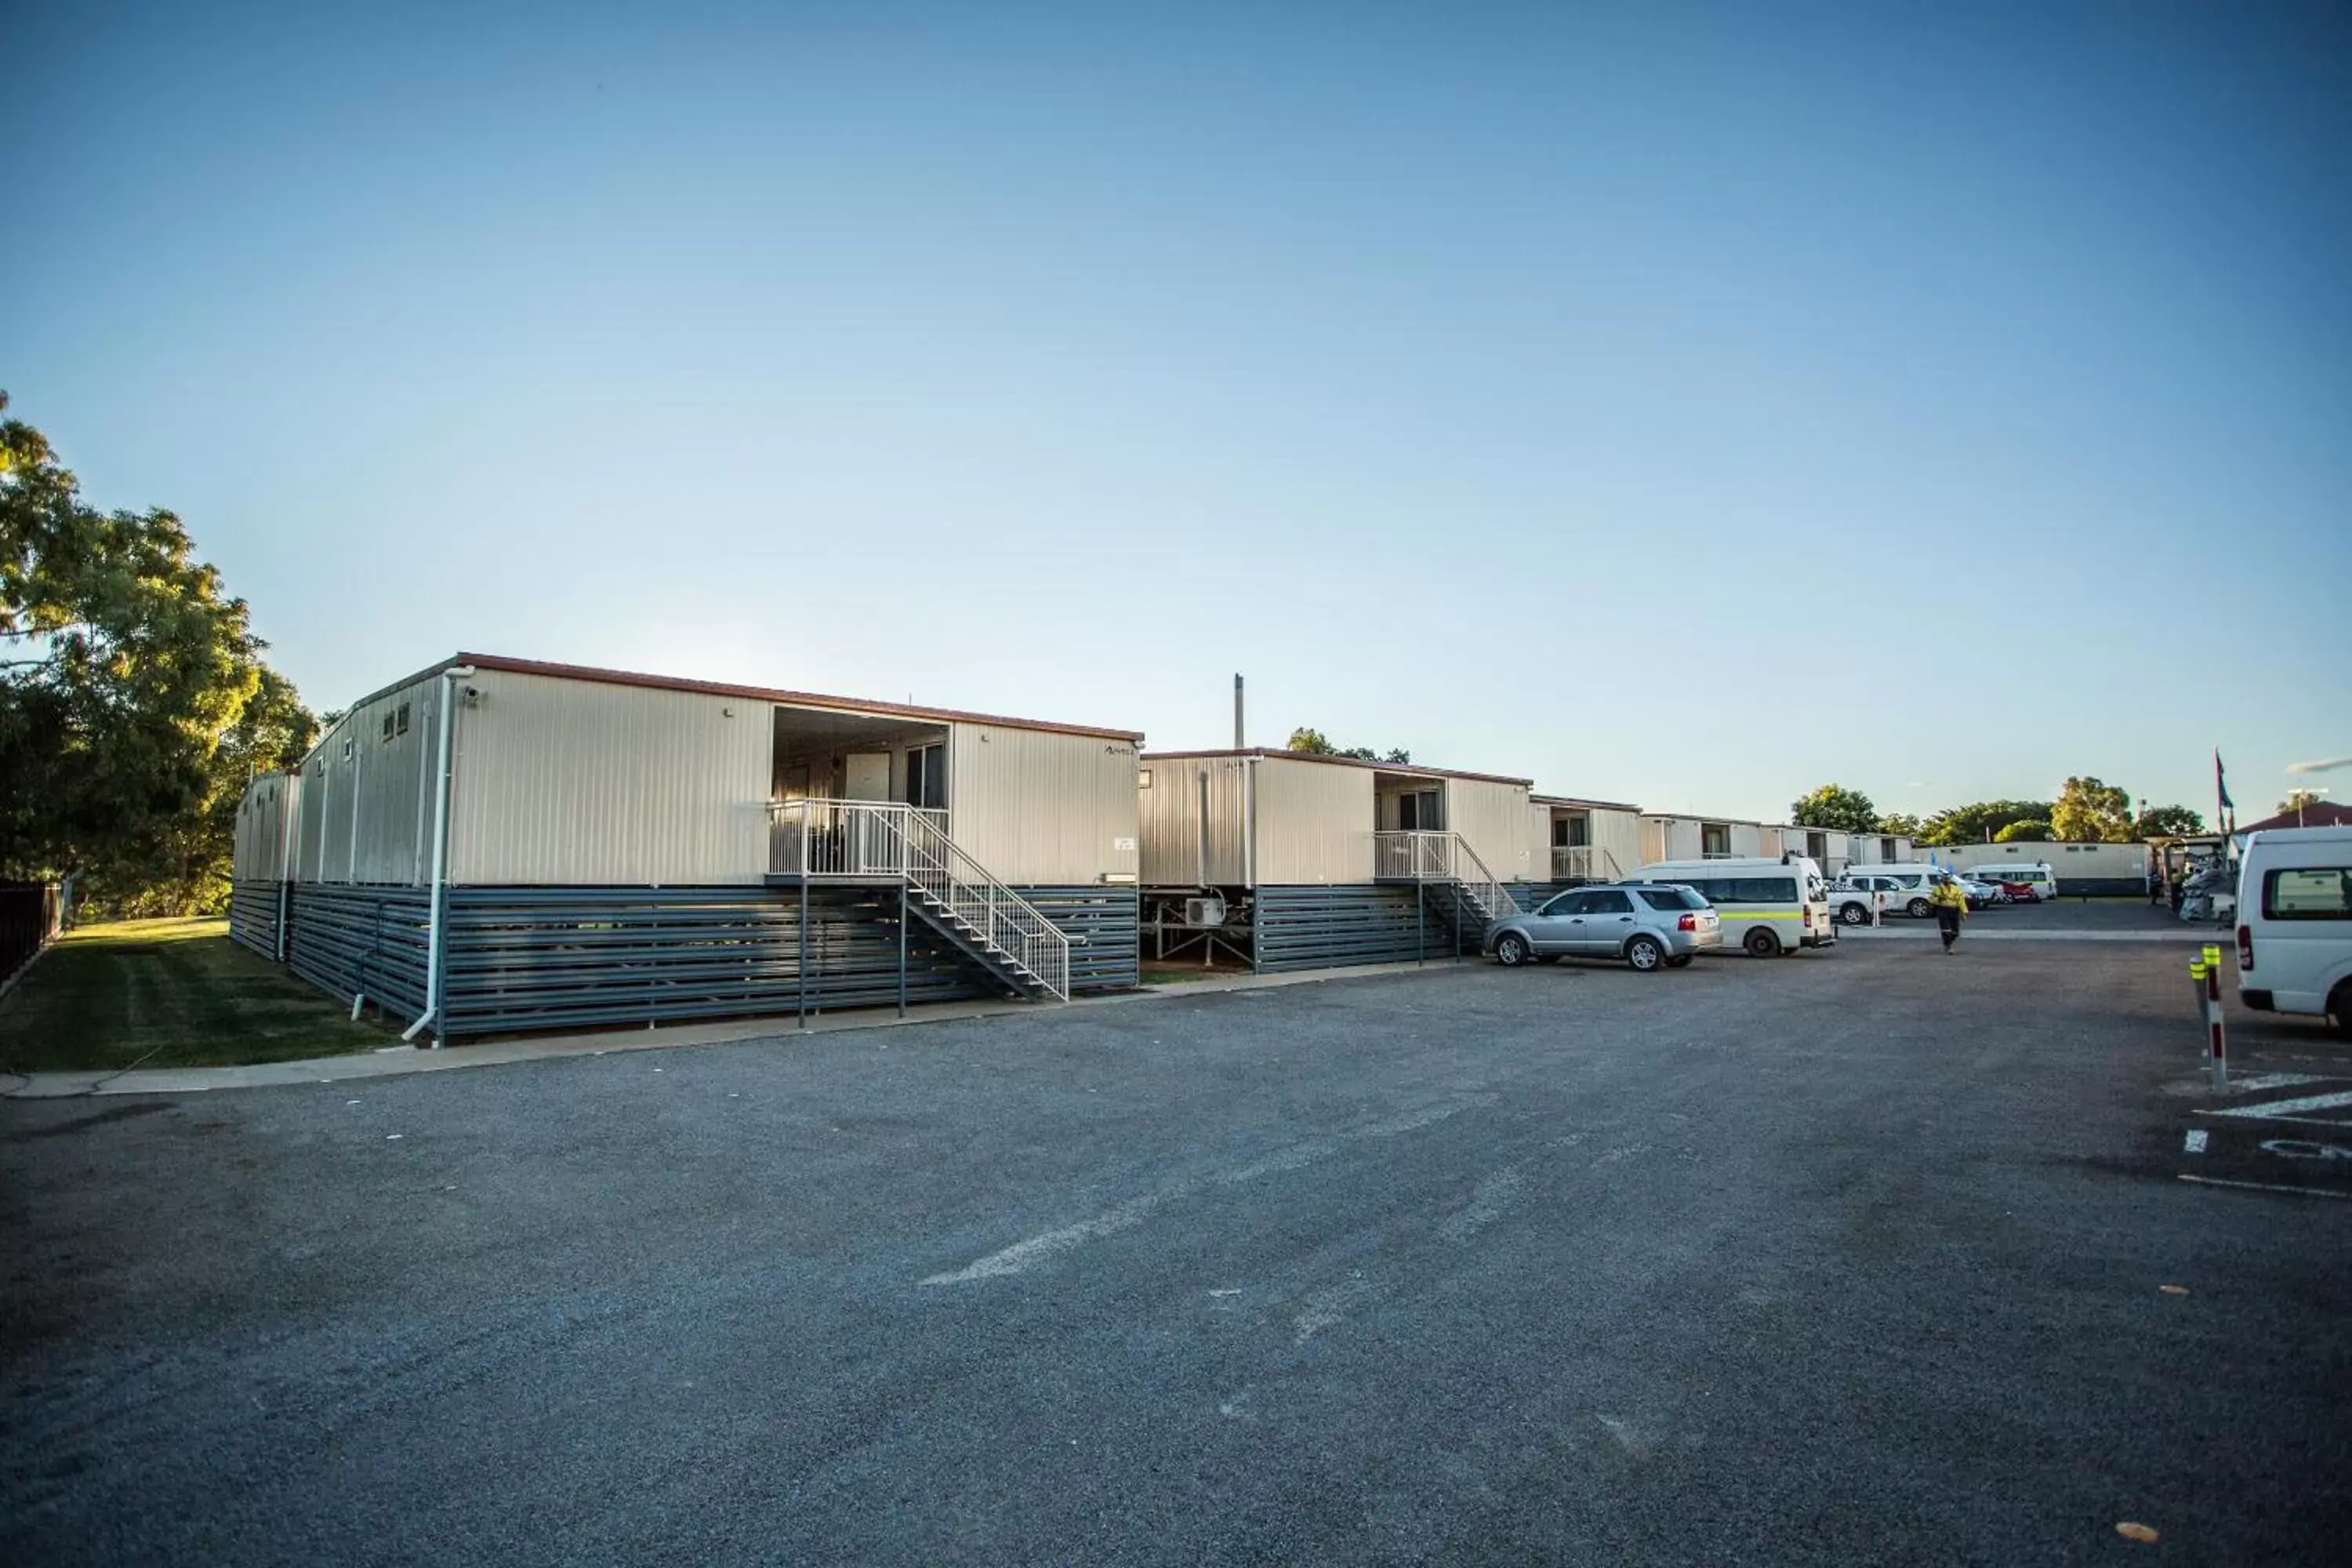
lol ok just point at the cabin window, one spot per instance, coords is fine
(1714, 839)
(927, 777)
(387, 725)
(403, 719)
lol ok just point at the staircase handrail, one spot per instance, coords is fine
(878, 837)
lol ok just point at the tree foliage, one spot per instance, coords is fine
(1979, 823)
(2297, 800)
(1834, 805)
(2026, 832)
(1315, 744)
(1902, 822)
(2089, 811)
(2168, 822)
(127, 677)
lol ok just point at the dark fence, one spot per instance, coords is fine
(28, 918)
(518, 959)
(1323, 928)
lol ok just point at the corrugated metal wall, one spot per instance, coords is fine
(1041, 808)
(576, 783)
(253, 915)
(1172, 816)
(266, 817)
(1322, 927)
(545, 958)
(1314, 824)
(1492, 818)
(365, 808)
(1680, 838)
(1619, 833)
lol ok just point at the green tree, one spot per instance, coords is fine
(2168, 822)
(1834, 805)
(1976, 823)
(2091, 811)
(2028, 832)
(1903, 823)
(1315, 744)
(2297, 800)
(123, 667)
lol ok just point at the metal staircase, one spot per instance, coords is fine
(866, 842)
(1450, 875)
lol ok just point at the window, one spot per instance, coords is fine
(1765, 890)
(1714, 839)
(927, 776)
(1671, 900)
(387, 724)
(347, 748)
(1571, 832)
(1143, 779)
(1610, 902)
(403, 719)
(1568, 904)
(1714, 889)
(2308, 893)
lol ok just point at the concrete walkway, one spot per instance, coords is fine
(2203, 936)
(398, 1060)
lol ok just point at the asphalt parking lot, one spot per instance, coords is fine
(1867, 1255)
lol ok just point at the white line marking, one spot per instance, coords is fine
(1049, 1244)
(2276, 1080)
(2280, 1108)
(2266, 1187)
(1492, 1195)
(2193, 1143)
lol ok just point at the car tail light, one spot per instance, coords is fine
(2245, 947)
(1688, 923)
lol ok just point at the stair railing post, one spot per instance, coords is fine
(902, 947)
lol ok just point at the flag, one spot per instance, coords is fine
(2220, 785)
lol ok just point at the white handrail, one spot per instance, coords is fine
(1589, 861)
(853, 839)
(1437, 856)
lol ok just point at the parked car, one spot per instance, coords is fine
(2294, 923)
(2007, 891)
(1853, 901)
(2036, 881)
(1906, 886)
(1649, 925)
(1983, 894)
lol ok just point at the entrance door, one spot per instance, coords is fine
(1418, 812)
(866, 776)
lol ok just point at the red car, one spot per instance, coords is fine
(2019, 892)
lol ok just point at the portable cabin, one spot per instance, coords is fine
(2087, 870)
(1574, 841)
(1668, 836)
(1884, 850)
(1831, 848)
(1292, 860)
(261, 853)
(498, 844)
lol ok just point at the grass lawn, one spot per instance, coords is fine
(107, 995)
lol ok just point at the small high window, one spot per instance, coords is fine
(403, 719)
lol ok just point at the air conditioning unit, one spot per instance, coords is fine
(1204, 911)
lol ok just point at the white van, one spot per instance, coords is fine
(2038, 877)
(1768, 906)
(2294, 923)
(1907, 887)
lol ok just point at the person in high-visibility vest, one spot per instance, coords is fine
(1951, 905)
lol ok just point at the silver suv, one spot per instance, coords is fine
(1647, 924)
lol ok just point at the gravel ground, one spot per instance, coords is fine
(1850, 1256)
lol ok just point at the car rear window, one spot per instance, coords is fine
(1671, 898)
(2308, 893)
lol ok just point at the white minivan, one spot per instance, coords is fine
(2294, 923)
(1768, 906)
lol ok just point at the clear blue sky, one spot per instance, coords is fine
(1542, 393)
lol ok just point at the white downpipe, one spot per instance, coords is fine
(449, 678)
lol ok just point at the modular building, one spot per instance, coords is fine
(1668, 836)
(498, 844)
(1835, 848)
(2089, 869)
(1574, 841)
(1292, 860)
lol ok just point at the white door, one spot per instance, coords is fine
(866, 776)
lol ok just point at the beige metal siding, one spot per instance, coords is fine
(582, 783)
(1172, 850)
(1619, 834)
(1039, 808)
(1492, 819)
(262, 849)
(366, 797)
(1314, 824)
